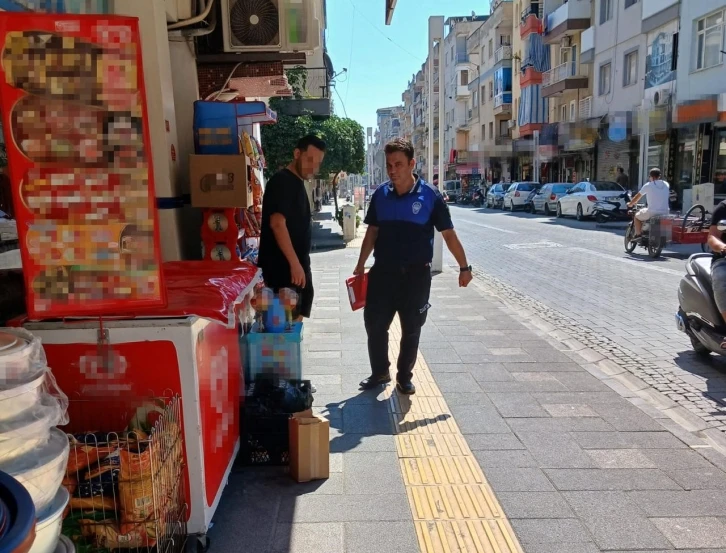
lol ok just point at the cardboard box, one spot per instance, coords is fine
(219, 181)
(309, 447)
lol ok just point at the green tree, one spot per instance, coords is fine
(344, 139)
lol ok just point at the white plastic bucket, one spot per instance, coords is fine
(48, 527)
(65, 545)
(18, 398)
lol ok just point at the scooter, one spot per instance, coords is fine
(612, 210)
(477, 198)
(654, 235)
(697, 314)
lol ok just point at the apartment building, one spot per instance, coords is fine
(490, 104)
(456, 72)
(699, 117)
(531, 59)
(430, 71)
(389, 126)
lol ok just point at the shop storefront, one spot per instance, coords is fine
(577, 158)
(618, 147)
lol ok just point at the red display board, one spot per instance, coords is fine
(76, 128)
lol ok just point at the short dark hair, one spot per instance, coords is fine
(655, 173)
(310, 140)
(400, 145)
(620, 168)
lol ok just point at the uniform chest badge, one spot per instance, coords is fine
(416, 207)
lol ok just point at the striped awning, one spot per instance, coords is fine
(532, 106)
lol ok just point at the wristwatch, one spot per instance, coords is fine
(465, 269)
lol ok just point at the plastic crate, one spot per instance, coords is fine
(274, 354)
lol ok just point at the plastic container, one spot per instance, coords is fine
(20, 532)
(274, 354)
(30, 429)
(65, 545)
(21, 356)
(48, 527)
(357, 289)
(17, 398)
(41, 470)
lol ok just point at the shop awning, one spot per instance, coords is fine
(390, 6)
(468, 169)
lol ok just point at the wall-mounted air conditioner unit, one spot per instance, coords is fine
(662, 97)
(270, 25)
(512, 123)
(179, 10)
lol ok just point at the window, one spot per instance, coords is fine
(464, 77)
(483, 94)
(563, 113)
(573, 111)
(629, 3)
(491, 129)
(630, 69)
(505, 40)
(606, 11)
(475, 98)
(491, 90)
(605, 84)
(674, 52)
(491, 47)
(709, 40)
(484, 131)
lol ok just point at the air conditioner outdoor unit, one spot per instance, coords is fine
(179, 10)
(270, 25)
(511, 123)
(662, 97)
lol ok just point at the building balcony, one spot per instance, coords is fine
(569, 19)
(503, 140)
(530, 20)
(462, 92)
(528, 130)
(503, 103)
(503, 53)
(463, 156)
(587, 46)
(529, 77)
(566, 76)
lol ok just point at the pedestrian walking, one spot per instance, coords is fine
(401, 219)
(622, 179)
(286, 234)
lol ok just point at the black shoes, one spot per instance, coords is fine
(375, 381)
(406, 388)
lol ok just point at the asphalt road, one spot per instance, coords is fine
(580, 272)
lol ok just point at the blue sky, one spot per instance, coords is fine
(382, 59)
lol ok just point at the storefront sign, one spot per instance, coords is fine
(700, 111)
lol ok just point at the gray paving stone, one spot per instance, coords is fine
(680, 503)
(584, 547)
(494, 442)
(669, 459)
(621, 459)
(699, 478)
(518, 480)
(456, 382)
(489, 372)
(560, 424)
(517, 405)
(626, 440)
(562, 530)
(555, 450)
(375, 537)
(441, 356)
(546, 354)
(346, 508)
(372, 473)
(478, 419)
(626, 417)
(346, 442)
(541, 367)
(366, 419)
(693, 532)
(468, 398)
(602, 504)
(569, 410)
(303, 538)
(471, 348)
(513, 458)
(612, 479)
(534, 505)
(621, 532)
(588, 398)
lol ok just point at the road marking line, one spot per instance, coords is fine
(490, 227)
(453, 506)
(639, 263)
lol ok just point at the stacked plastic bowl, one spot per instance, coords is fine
(32, 450)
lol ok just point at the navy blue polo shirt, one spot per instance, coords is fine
(406, 223)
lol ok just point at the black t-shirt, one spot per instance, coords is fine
(285, 194)
(719, 215)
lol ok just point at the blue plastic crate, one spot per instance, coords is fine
(274, 354)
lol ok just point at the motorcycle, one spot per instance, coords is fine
(698, 316)
(613, 209)
(654, 236)
(464, 199)
(477, 198)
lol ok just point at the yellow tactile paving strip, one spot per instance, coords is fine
(454, 508)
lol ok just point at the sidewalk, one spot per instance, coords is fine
(510, 445)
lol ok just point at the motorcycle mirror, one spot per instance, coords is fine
(721, 227)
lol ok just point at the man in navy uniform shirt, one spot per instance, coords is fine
(401, 219)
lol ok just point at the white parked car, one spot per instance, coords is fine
(517, 195)
(579, 200)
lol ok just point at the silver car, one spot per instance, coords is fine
(546, 198)
(517, 194)
(495, 195)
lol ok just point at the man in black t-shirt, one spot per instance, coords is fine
(717, 243)
(286, 235)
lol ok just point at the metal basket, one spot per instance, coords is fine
(127, 488)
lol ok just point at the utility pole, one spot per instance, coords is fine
(436, 35)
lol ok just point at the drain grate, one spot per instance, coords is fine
(661, 379)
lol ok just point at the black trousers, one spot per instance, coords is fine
(396, 290)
